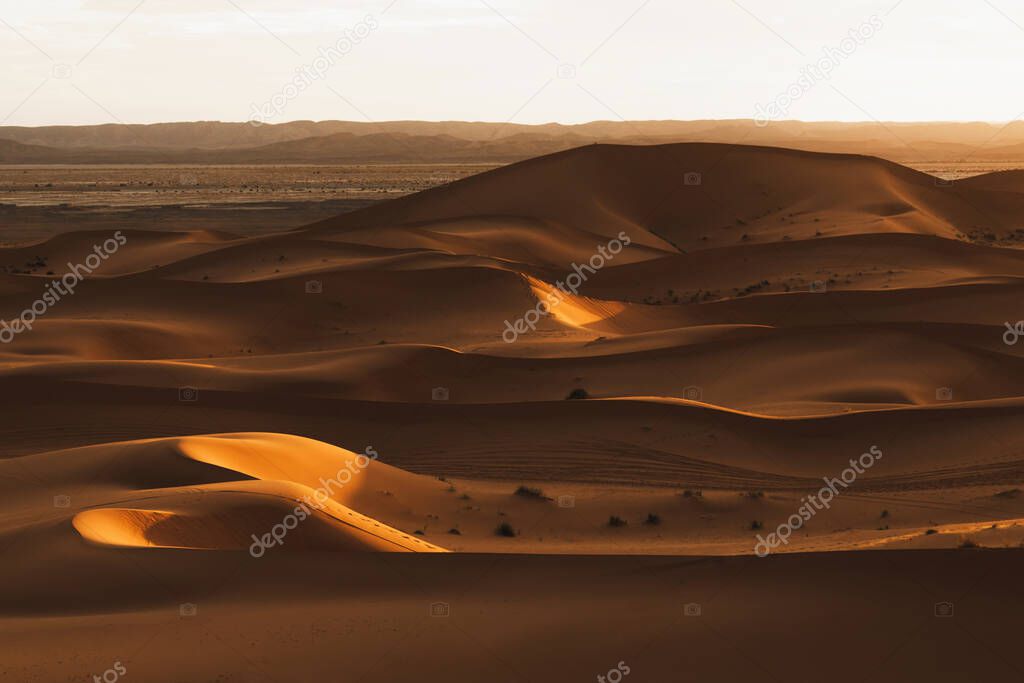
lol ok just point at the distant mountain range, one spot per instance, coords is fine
(214, 142)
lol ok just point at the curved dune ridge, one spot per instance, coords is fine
(297, 488)
(572, 310)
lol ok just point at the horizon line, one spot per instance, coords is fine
(534, 125)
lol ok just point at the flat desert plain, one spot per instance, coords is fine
(689, 412)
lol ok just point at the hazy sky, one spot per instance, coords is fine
(529, 61)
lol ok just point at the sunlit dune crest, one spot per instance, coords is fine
(574, 310)
(276, 476)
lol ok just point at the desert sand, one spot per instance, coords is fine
(540, 505)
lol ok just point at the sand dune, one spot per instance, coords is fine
(415, 294)
(765, 193)
(153, 494)
(1002, 181)
(771, 315)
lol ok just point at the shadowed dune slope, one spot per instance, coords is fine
(669, 195)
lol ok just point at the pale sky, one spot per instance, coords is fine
(104, 61)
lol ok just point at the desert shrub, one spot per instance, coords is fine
(531, 493)
(616, 521)
(755, 525)
(505, 529)
(577, 395)
(652, 519)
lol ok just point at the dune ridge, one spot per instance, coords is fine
(220, 492)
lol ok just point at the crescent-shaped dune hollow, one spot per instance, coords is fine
(273, 489)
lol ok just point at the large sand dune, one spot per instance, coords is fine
(769, 315)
